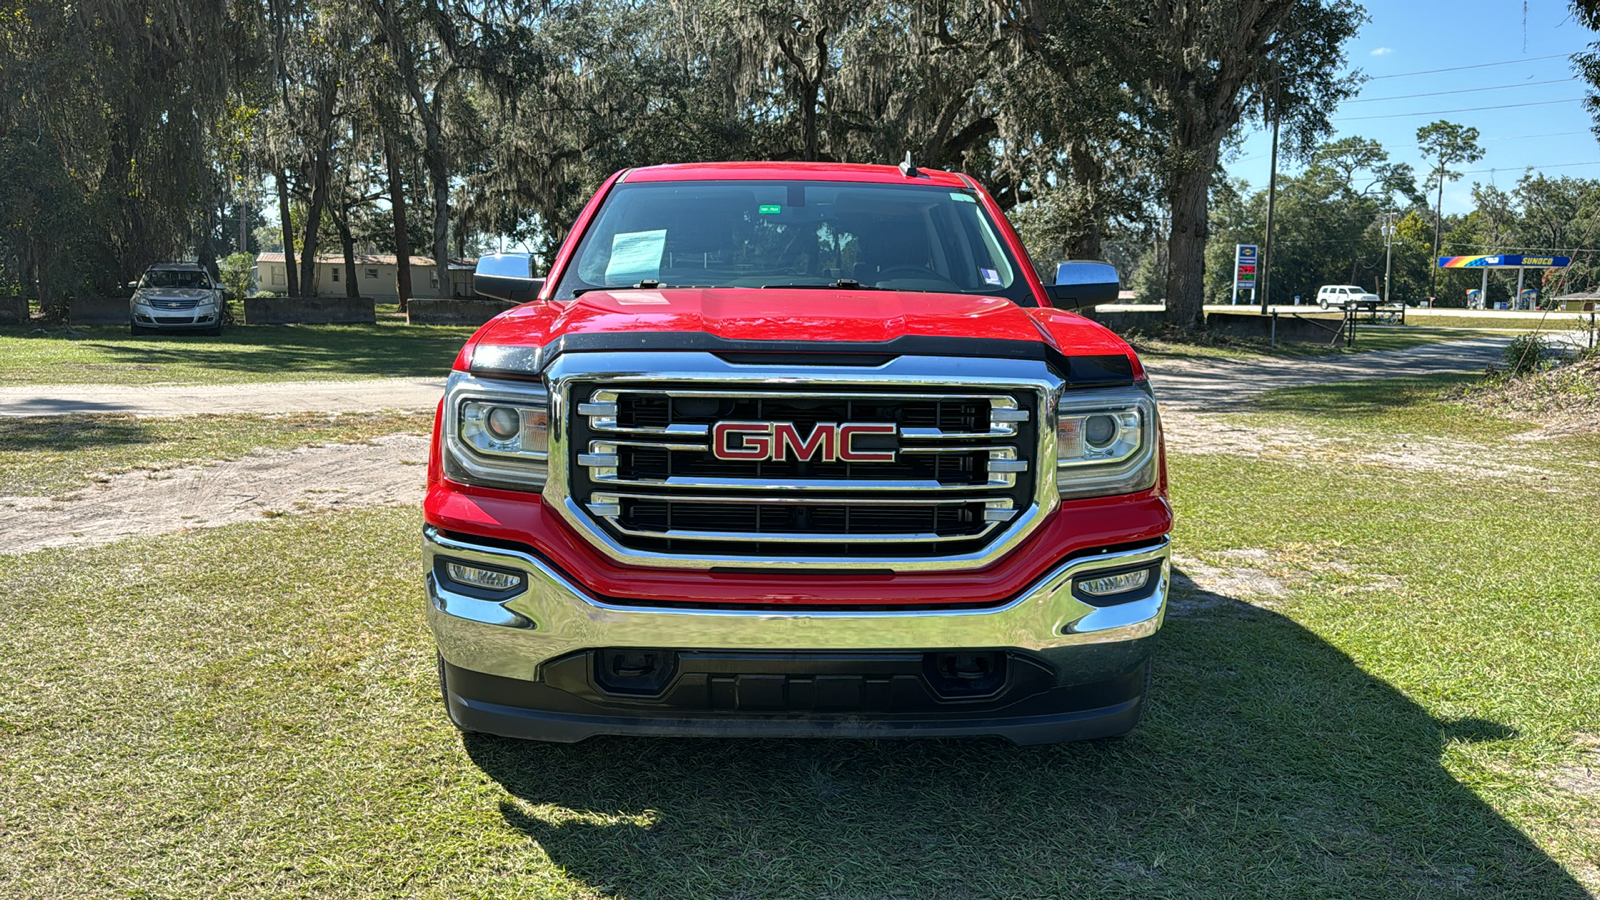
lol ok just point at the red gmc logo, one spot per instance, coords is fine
(781, 440)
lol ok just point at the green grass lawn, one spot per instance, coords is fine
(1523, 321)
(245, 353)
(1397, 697)
(45, 455)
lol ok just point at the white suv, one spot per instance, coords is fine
(176, 297)
(1340, 296)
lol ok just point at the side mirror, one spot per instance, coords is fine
(1084, 282)
(507, 276)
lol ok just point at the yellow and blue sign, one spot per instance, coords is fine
(1504, 262)
(1244, 266)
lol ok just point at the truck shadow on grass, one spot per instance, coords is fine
(1268, 765)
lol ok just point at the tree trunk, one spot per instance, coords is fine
(286, 227)
(433, 150)
(1186, 243)
(1087, 175)
(402, 238)
(348, 240)
(308, 246)
(440, 176)
(207, 249)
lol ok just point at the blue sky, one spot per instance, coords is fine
(1408, 37)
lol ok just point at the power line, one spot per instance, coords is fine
(1524, 137)
(1512, 168)
(1442, 112)
(1463, 68)
(1498, 87)
(1379, 145)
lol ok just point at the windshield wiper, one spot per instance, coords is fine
(647, 285)
(843, 284)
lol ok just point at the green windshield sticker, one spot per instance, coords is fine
(962, 198)
(770, 209)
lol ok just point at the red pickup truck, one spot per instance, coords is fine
(796, 450)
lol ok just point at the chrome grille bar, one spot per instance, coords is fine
(613, 507)
(603, 408)
(603, 459)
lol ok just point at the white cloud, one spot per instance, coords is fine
(1382, 51)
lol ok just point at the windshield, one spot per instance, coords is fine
(174, 278)
(794, 234)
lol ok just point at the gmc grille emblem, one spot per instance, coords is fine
(779, 441)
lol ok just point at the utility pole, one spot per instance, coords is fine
(1433, 263)
(243, 208)
(1272, 199)
(1388, 252)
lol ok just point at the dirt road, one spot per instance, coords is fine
(191, 399)
(1223, 384)
(390, 470)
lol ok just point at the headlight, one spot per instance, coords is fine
(497, 432)
(1106, 442)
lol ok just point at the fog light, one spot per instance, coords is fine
(488, 579)
(1109, 585)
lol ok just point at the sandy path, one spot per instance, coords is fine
(388, 471)
(1224, 384)
(189, 400)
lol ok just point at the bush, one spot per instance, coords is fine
(234, 271)
(1526, 353)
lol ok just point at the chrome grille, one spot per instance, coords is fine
(642, 466)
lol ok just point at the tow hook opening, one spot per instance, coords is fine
(965, 674)
(635, 671)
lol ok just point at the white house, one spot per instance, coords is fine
(375, 276)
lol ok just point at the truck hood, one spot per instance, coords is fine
(810, 316)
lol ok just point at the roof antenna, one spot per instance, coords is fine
(907, 169)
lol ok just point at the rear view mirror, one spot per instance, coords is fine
(507, 276)
(1084, 282)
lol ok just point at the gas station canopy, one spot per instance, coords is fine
(1504, 262)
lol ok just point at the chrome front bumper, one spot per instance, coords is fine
(551, 617)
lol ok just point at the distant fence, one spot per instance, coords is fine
(98, 312)
(454, 311)
(1291, 327)
(309, 311)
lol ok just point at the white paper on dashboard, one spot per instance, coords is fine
(639, 298)
(636, 256)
